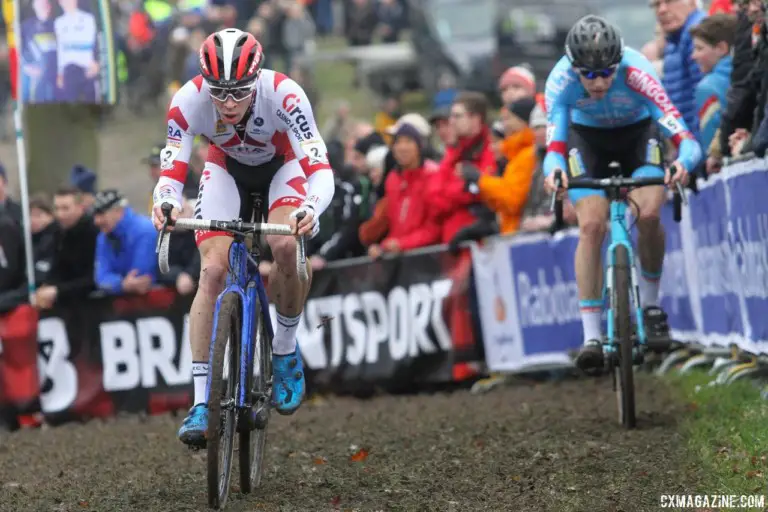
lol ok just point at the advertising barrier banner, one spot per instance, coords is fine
(386, 323)
(714, 287)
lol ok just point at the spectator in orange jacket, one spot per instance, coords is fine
(451, 204)
(507, 194)
(410, 224)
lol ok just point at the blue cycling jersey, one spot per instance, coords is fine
(635, 94)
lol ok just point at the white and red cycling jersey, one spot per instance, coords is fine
(280, 128)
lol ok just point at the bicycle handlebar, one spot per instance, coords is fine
(614, 183)
(234, 226)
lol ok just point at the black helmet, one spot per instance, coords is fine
(593, 43)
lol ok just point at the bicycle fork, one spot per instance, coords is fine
(639, 336)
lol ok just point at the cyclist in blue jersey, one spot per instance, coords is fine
(605, 103)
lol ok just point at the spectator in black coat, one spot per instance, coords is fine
(7, 205)
(740, 101)
(72, 274)
(45, 236)
(12, 273)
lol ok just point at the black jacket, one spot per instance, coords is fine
(73, 271)
(13, 283)
(45, 247)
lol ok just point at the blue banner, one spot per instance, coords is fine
(714, 287)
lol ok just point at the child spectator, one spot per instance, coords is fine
(712, 40)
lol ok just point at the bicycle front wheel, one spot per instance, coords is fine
(221, 400)
(625, 391)
(253, 442)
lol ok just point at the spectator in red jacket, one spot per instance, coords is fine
(451, 204)
(410, 223)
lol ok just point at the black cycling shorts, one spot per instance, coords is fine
(590, 150)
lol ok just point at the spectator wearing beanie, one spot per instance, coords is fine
(515, 83)
(84, 180)
(507, 195)
(410, 224)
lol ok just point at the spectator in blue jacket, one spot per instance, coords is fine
(125, 248)
(712, 40)
(681, 74)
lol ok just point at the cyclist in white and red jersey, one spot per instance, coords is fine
(263, 139)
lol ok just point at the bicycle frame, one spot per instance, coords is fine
(244, 279)
(620, 236)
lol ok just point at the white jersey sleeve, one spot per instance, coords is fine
(294, 116)
(183, 115)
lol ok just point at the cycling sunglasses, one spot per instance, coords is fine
(591, 74)
(238, 93)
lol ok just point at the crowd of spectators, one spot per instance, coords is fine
(403, 181)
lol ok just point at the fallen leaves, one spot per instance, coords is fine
(359, 456)
(319, 460)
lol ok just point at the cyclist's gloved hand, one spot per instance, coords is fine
(309, 219)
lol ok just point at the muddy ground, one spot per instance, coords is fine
(544, 447)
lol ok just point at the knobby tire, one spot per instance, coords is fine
(253, 443)
(221, 424)
(620, 306)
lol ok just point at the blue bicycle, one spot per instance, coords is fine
(242, 341)
(622, 349)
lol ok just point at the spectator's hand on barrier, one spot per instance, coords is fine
(375, 251)
(391, 246)
(185, 284)
(736, 139)
(158, 218)
(549, 183)
(45, 296)
(714, 165)
(317, 262)
(134, 283)
(676, 173)
(537, 223)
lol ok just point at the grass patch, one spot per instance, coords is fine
(726, 429)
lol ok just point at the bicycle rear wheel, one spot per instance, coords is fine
(221, 401)
(253, 443)
(625, 391)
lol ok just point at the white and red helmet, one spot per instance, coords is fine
(231, 58)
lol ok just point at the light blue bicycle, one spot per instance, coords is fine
(242, 339)
(622, 349)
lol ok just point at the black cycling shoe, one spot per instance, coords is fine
(657, 335)
(590, 358)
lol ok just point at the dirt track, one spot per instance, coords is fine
(548, 447)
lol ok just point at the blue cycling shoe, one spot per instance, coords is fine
(194, 428)
(288, 390)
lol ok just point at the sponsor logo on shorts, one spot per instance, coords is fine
(575, 163)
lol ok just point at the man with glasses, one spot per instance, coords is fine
(263, 138)
(604, 104)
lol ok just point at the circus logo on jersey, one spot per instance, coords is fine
(647, 85)
(296, 118)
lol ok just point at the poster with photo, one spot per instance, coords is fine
(66, 52)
